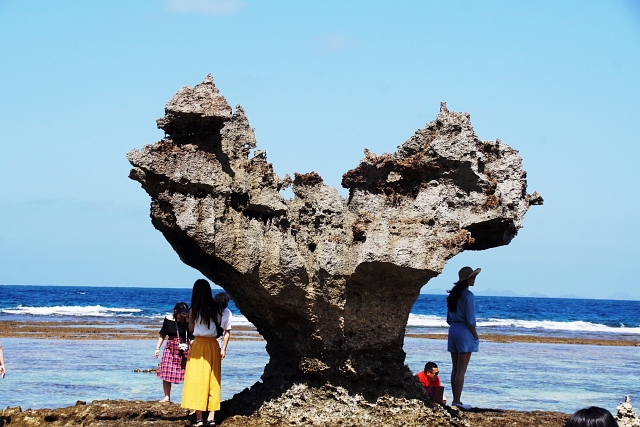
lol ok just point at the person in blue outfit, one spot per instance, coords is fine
(463, 338)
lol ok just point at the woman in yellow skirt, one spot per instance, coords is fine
(202, 377)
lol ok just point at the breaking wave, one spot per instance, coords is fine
(427, 321)
(80, 311)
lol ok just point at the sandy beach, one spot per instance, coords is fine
(108, 330)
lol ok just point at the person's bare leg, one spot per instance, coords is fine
(166, 386)
(211, 417)
(454, 370)
(459, 368)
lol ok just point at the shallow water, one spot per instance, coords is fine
(520, 376)
(57, 373)
(545, 377)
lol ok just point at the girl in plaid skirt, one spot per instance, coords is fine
(175, 329)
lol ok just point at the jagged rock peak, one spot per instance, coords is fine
(197, 107)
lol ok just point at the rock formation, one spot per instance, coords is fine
(626, 416)
(328, 281)
(121, 413)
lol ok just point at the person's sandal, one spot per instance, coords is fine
(210, 423)
(198, 423)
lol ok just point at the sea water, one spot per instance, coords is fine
(57, 373)
(504, 315)
(521, 376)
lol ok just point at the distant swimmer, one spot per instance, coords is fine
(463, 338)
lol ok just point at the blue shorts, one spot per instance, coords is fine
(461, 339)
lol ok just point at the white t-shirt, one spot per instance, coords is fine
(200, 327)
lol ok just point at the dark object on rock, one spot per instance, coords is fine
(328, 282)
(147, 371)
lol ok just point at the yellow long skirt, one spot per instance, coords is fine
(202, 377)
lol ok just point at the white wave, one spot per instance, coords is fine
(429, 321)
(240, 320)
(92, 310)
(577, 326)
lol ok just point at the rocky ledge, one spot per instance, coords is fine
(329, 411)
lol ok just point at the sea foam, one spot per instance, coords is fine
(430, 321)
(93, 310)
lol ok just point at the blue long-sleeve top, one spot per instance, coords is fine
(465, 310)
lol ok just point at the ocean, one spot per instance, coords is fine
(51, 373)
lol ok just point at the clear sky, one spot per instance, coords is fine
(82, 82)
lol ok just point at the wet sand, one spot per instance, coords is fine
(99, 330)
(145, 330)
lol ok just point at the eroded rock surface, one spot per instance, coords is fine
(626, 416)
(103, 413)
(328, 281)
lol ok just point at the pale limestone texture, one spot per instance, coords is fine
(626, 416)
(328, 281)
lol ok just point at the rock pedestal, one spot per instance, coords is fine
(328, 281)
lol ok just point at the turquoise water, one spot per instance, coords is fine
(545, 377)
(57, 373)
(520, 376)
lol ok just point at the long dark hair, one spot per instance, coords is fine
(592, 416)
(454, 295)
(203, 306)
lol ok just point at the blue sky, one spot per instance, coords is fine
(82, 83)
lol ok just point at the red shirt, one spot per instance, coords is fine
(424, 379)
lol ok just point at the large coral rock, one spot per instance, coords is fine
(328, 281)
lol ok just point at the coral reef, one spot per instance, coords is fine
(332, 407)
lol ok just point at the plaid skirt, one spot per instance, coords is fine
(174, 362)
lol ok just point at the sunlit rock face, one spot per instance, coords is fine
(328, 281)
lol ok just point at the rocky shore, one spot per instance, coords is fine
(71, 330)
(106, 413)
(121, 413)
(329, 406)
